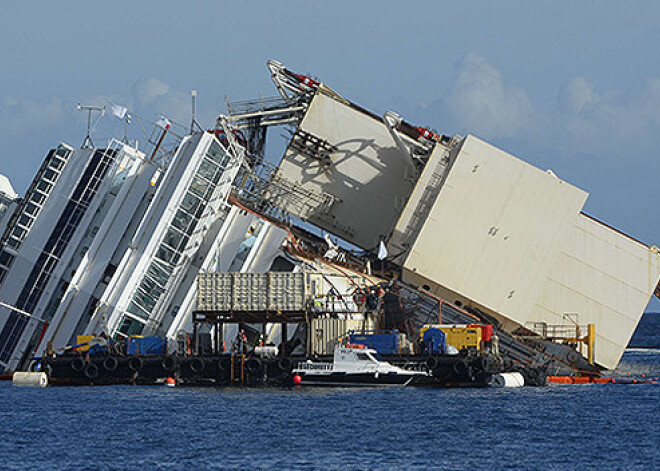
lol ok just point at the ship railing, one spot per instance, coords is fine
(558, 332)
(256, 105)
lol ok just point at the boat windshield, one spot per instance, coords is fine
(363, 357)
(376, 357)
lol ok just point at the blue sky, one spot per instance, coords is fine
(569, 86)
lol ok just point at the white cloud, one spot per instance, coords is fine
(596, 121)
(146, 91)
(482, 103)
(604, 124)
(152, 97)
(577, 93)
(18, 116)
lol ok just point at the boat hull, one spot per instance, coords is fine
(358, 379)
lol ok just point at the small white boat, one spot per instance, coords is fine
(354, 365)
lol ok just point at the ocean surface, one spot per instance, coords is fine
(606, 426)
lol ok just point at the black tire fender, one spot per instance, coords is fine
(224, 364)
(572, 357)
(135, 364)
(169, 364)
(110, 364)
(432, 363)
(91, 371)
(460, 367)
(253, 365)
(196, 365)
(285, 364)
(78, 364)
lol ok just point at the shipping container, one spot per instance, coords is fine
(326, 332)
(383, 341)
(271, 291)
(138, 345)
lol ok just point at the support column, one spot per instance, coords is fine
(284, 337)
(194, 349)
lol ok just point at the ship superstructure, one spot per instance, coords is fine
(41, 244)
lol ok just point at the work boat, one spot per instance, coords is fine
(354, 365)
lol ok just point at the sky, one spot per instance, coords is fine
(566, 85)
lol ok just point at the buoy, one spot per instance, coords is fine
(38, 379)
(170, 382)
(507, 380)
(297, 379)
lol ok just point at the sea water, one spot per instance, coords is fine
(607, 426)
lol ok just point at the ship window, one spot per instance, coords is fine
(50, 175)
(6, 258)
(130, 326)
(37, 197)
(160, 273)
(209, 170)
(31, 209)
(149, 286)
(167, 254)
(145, 300)
(25, 220)
(57, 164)
(44, 186)
(19, 233)
(216, 154)
(137, 310)
(182, 221)
(191, 203)
(108, 273)
(201, 187)
(363, 357)
(62, 152)
(175, 239)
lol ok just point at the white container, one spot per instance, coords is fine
(508, 380)
(36, 379)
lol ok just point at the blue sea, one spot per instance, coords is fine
(598, 426)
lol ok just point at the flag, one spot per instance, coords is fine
(119, 111)
(163, 122)
(332, 251)
(382, 251)
(326, 236)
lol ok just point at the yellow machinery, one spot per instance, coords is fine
(86, 339)
(458, 336)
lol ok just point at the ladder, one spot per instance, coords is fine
(237, 377)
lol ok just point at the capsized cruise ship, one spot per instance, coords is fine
(112, 240)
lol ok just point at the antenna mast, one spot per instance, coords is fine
(193, 97)
(88, 143)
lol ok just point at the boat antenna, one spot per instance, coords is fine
(88, 143)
